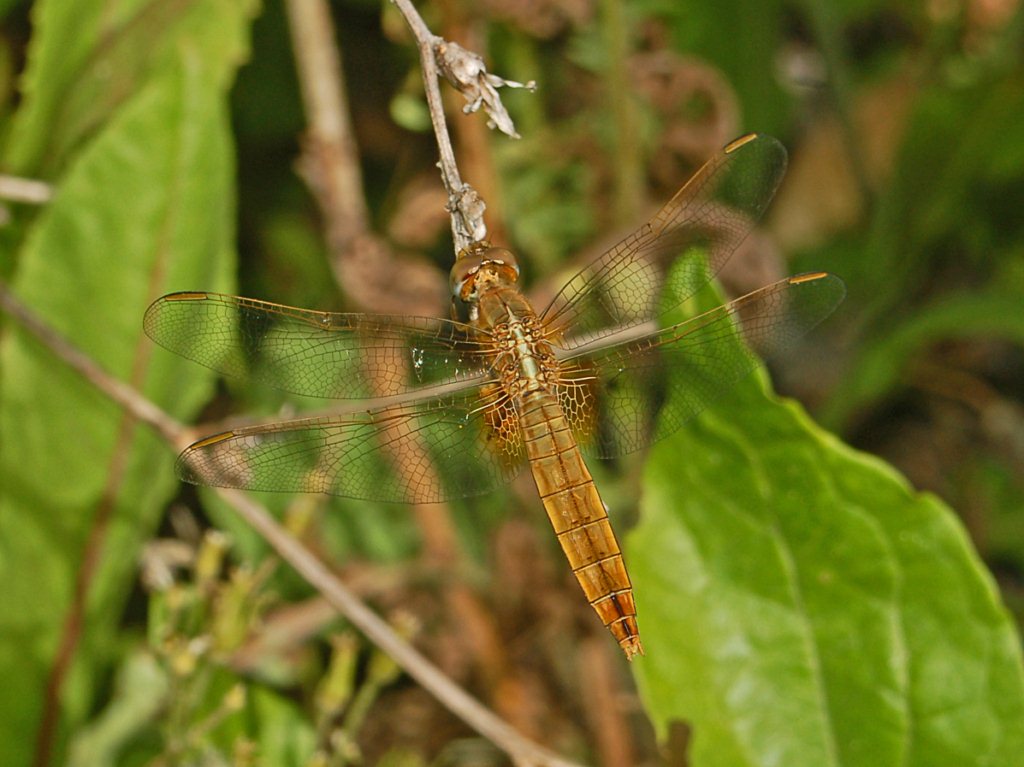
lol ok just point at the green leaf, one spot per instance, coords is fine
(880, 367)
(146, 207)
(137, 702)
(801, 605)
(87, 57)
(283, 733)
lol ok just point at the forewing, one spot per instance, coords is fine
(422, 452)
(317, 354)
(694, 234)
(648, 386)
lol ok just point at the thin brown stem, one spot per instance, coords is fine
(369, 274)
(27, 190)
(365, 267)
(135, 408)
(124, 395)
(332, 145)
(467, 224)
(372, 276)
(449, 694)
(453, 697)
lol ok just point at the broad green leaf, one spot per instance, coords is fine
(88, 56)
(146, 207)
(801, 605)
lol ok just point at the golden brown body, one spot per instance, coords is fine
(530, 375)
(476, 407)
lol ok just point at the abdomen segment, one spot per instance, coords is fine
(578, 516)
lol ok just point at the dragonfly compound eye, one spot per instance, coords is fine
(503, 257)
(460, 279)
(491, 264)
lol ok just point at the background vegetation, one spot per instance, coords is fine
(806, 599)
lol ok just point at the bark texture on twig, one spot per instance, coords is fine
(466, 71)
(464, 205)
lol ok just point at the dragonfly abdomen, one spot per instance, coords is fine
(578, 515)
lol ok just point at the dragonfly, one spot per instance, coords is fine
(450, 409)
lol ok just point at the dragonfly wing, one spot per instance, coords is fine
(317, 354)
(695, 233)
(648, 386)
(426, 451)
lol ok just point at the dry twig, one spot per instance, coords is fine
(464, 205)
(453, 697)
(27, 190)
(368, 270)
(466, 71)
(130, 400)
(364, 265)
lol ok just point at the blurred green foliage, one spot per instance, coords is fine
(802, 602)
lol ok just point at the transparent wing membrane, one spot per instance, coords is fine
(316, 354)
(694, 234)
(423, 452)
(623, 396)
(441, 421)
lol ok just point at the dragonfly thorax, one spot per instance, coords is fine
(525, 360)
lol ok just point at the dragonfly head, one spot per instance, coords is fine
(480, 267)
